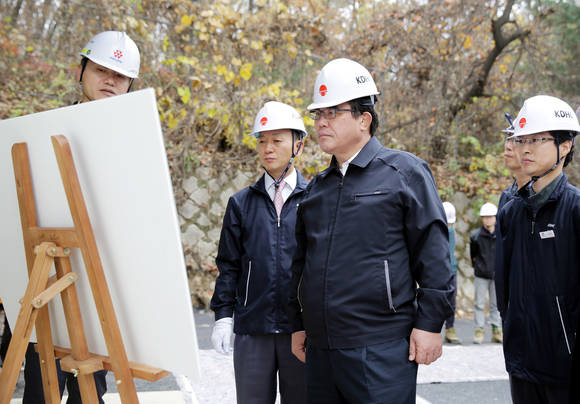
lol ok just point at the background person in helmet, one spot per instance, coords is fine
(482, 250)
(538, 257)
(450, 334)
(109, 64)
(512, 163)
(254, 258)
(370, 228)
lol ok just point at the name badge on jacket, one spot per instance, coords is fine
(547, 234)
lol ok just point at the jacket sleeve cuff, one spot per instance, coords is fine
(428, 325)
(224, 312)
(297, 324)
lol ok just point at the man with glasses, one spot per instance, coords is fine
(538, 256)
(370, 228)
(512, 163)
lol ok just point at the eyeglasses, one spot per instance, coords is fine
(509, 141)
(328, 113)
(534, 141)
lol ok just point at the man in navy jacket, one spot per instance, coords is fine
(370, 227)
(254, 259)
(538, 257)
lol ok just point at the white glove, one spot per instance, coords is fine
(222, 335)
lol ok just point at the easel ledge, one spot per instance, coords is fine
(138, 370)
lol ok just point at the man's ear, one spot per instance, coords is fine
(565, 148)
(299, 152)
(78, 71)
(366, 121)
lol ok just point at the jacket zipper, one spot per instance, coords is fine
(563, 327)
(248, 283)
(340, 184)
(389, 295)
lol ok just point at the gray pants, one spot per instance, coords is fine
(258, 359)
(482, 287)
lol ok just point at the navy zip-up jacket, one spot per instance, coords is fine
(538, 284)
(482, 250)
(364, 240)
(254, 260)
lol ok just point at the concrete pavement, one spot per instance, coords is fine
(460, 364)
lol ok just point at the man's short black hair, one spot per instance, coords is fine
(361, 105)
(298, 134)
(562, 136)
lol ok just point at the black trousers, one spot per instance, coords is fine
(374, 374)
(261, 359)
(524, 392)
(6, 336)
(33, 391)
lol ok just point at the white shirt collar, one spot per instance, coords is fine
(290, 184)
(347, 163)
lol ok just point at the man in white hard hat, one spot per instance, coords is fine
(482, 250)
(109, 64)
(255, 252)
(538, 257)
(450, 333)
(512, 163)
(369, 230)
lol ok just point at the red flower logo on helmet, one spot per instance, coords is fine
(522, 122)
(322, 90)
(118, 54)
(264, 120)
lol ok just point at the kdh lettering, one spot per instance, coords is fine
(562, 114)
(362, 79)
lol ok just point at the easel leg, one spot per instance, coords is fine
(23, 330)
(74, 322)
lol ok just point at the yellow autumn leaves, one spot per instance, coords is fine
(244, 71)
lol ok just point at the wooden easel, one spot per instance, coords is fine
(45, 247)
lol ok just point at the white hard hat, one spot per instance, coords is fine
(449, 212)
(114, 50)
(544, 113)
(277, 115)
(342, 80)
(488, 209)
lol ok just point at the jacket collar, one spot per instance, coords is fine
(260, 185)
(555, 195)
(364, 157)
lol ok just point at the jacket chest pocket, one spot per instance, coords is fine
(366, 195)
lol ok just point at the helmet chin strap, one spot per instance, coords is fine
(558, 161)
(279, 180)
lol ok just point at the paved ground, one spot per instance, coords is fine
(467, 373)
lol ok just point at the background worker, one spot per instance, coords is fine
(370, 228)
(109, 64)
(450, 334)
(255, 252)
(538, 257)
(512, 163)
(482, 248)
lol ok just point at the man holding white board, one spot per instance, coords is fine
(110, 62)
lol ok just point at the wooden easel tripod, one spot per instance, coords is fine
(45, 247)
